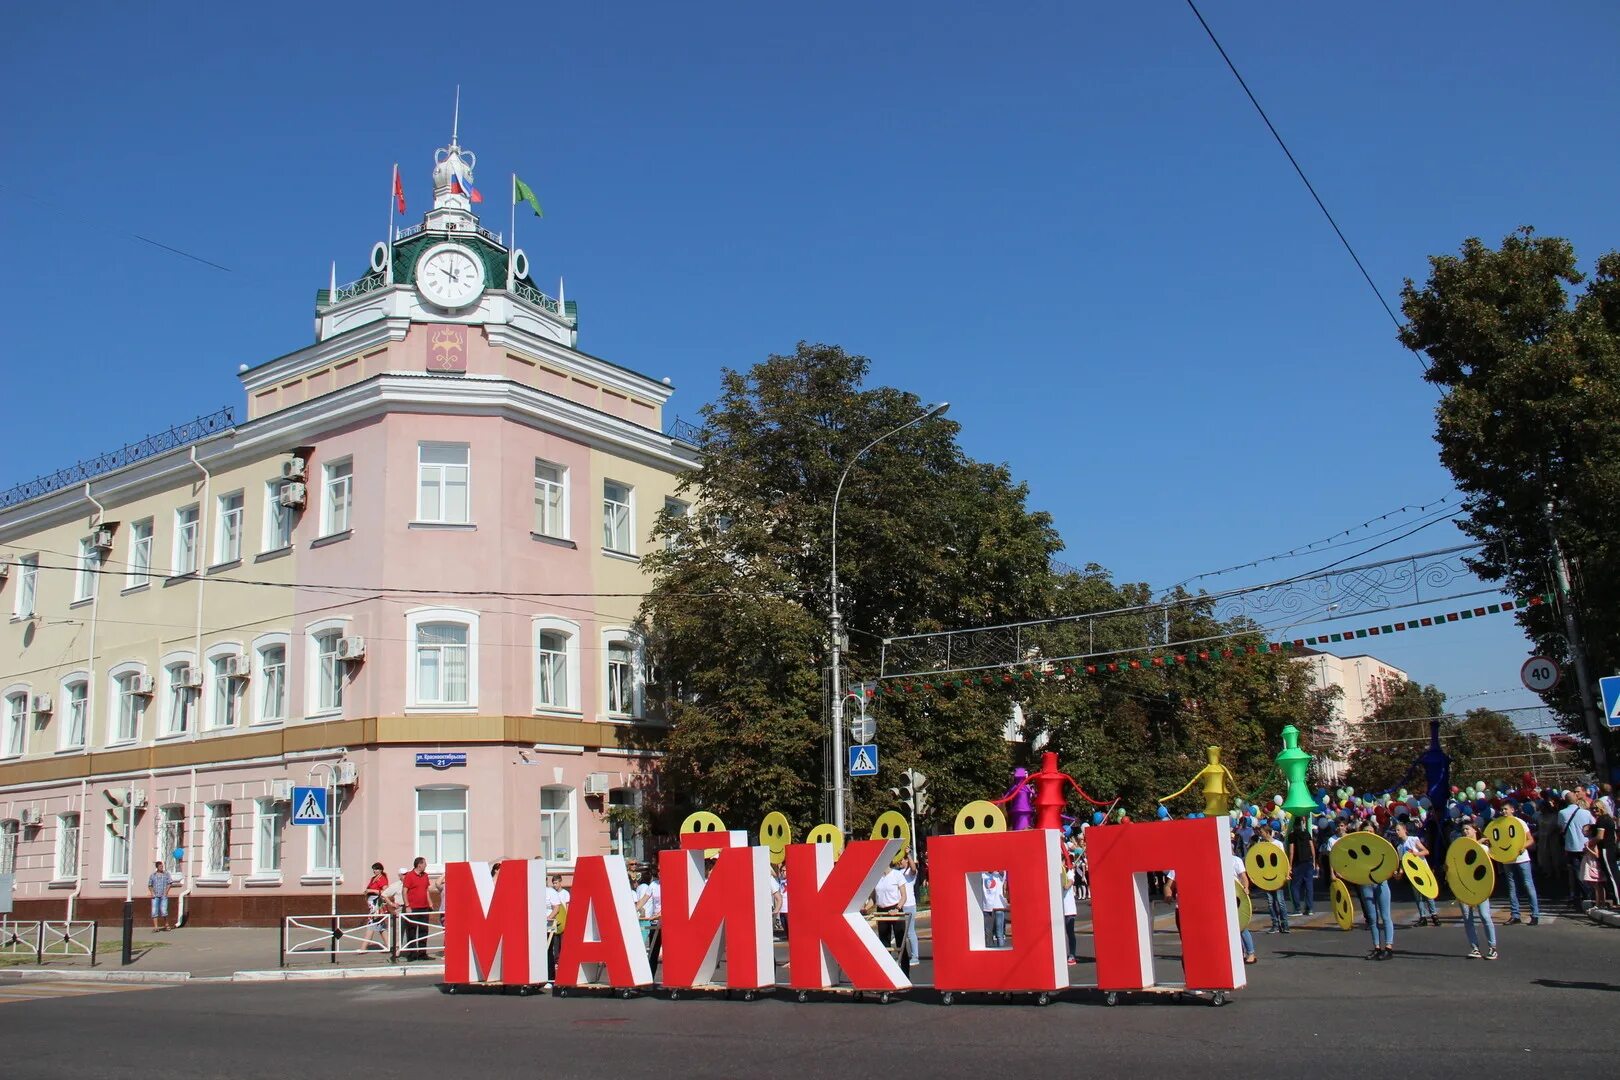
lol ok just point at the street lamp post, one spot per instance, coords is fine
(837, 622)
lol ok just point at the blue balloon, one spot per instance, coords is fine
(179, 853)
(1164, 812)
(1096, 817)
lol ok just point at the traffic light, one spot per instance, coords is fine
(912, 793)
(116, 813)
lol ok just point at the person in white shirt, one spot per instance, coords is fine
(889, 896)
(1405, 845)
(650, 910)
(908, 867)
(556, 917)
(1518, 872)
(993, 902)
(1572, 822)
(1071, 909)
(782, 901)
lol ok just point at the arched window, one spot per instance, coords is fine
(444, 659)
(75, 712)
(558, 836)
(127, 707)
(556, 664)
(623, 675)
(14, 737)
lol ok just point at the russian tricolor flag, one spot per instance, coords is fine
(458, 188)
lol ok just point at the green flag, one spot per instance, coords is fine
(522, 192)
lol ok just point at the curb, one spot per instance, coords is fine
(1603, 917)
(76, 975)
(283, 975)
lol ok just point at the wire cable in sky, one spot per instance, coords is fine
(133, 235)
(1307, 181)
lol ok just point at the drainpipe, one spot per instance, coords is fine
(78, 855)
(202, 565)
(191, 827)
(89, 701)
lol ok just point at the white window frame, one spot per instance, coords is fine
(26, 603)
(312, 667)
(183, 528)
(235, 688)
(570, 629)
(278, 520)
(14, 736)
(438, 817)
(608, 514)
(86, 570)
(141, 540)
(547, 491)
(166, 727)
(120, 700)
(623, 839)
(323, 863)
(66, 709)
(548, 828)
(10, 833)
(217, 822)
(337, 479)
(69, 841)
(168, 833)
(441, 472)
(230, 514)
(416, 618)
(638, 674)
(112, 846)
(266, 809)
(676, 510)
(264, 679)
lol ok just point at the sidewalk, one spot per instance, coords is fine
(207, 953)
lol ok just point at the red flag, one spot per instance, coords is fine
(399, 191)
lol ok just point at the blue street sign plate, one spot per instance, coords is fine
(309, 806)
(440, 759)
(1611, 700)
(863, 760)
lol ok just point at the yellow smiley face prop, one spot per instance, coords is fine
(1267, 865)
(1419, 874)
(1364, 858)
(775, 834)
(1245, 905)
(700, 822)
(978, 817)
(1344, 909)
(1470, 875)
(1505, 838)
(827, 834)
(891, 825)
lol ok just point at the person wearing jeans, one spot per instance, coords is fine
(1302, 856)
(1519, 870)
(1480, 914)
(1428, 911)
(1375, 906)
(993, 902)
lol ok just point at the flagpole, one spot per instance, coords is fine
(388, 237)
(511, 255)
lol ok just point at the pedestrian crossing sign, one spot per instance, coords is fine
(309, 806)
(863, 760)
(1610, 685)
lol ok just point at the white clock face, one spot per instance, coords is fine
(450, 276)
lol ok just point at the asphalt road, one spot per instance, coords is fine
(1313, 1005)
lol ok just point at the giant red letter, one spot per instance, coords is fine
(602, 926)
(735, 898)
(1119, 858)
(961, 962)
(495, 927)
(827, 927)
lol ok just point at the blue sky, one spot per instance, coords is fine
(1064, 218)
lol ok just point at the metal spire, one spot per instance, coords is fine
(455, 124)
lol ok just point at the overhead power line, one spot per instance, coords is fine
(1305, 179)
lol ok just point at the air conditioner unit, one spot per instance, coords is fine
(281, 790)
(294, 468)
(102, 539)
(596, 783)
(293, 496)
(30, 817)
(145, 685)
(187, 676)
(347, 774)
(238, 666)
(351, 648)
(137, 798)
(5, 570)
(43, 703)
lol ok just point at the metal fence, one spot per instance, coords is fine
(46, 939)
(334, 937)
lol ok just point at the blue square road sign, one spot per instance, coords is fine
(309, 806)
(863, 760)
(1611, 700)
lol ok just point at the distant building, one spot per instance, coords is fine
(1364, 684)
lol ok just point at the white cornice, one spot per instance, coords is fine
(371, 398)
(574, 361)
(361, 338)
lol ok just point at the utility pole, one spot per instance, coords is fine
(1595, 728)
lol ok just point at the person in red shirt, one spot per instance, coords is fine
(378, 922)
(418, 907)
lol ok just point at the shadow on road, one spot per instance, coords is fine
(1563, 984)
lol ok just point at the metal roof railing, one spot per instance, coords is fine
(151, 446)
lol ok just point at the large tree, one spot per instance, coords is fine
(1529, 368)
(1483, 744)
(929, 539)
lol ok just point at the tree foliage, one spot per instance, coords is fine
(1483, 744)
(1529, 368)
(929, 539)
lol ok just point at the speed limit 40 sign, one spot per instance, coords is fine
(1540, 674)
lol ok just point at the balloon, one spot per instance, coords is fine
(1164, 812)
(1097, 817)
(1277, 800)
(1349, 791)
(179, 853)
